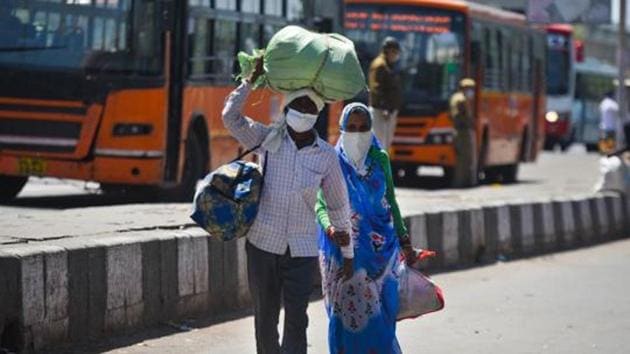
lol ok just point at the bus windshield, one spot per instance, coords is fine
(114, 36)
(432, 42)
(558, 64)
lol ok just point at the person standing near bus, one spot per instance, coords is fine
(462, 115)
(385, 91)
(10, 25)
(282, 245)
(609, 116)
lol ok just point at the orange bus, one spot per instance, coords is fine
(125, 92)
(442, 42)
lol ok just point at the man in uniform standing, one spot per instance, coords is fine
(462, 115)
(385, 91)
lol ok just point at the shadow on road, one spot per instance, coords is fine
(70, 201)
(440, 183)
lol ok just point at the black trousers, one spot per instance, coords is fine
(274, 279)
(626, 132)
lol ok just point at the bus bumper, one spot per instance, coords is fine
(139, 171)
(423, 155)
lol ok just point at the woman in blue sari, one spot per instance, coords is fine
(362, 304)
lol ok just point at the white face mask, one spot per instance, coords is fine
(356, 146)
(300, 122)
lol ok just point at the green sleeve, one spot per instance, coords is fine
(321, 211)
(383, 159)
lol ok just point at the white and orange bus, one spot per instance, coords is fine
(125, 92)
(442, 42)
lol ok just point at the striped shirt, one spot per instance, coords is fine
(286, 214)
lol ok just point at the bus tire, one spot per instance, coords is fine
(404, 176)
(193, 170)
(492, 175)
(592, 147)
(509, 173)
(549, 144)
(10, 186)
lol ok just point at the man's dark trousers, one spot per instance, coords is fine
(274, 277)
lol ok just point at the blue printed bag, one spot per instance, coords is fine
(226, 203)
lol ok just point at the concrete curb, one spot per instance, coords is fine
(74, 290)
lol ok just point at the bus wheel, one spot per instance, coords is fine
(549, 145)
(449, 174)
(592, 147)
(509, 173)
(193, 171)
(10, 186)
(492, 175)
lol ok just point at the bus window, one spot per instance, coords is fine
(273, 7)
(489, 63)
(200, 42)
(527, 66)
(251, 6)
(224, 49)
(225, 4)
(250, 37)
(203, 3)
(500, 76)
(558, 63)
(295, 10)
(432, 42)
(269, 31)
(84, 36)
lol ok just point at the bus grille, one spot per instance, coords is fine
(39, 135)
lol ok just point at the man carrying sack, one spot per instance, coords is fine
(282, 244)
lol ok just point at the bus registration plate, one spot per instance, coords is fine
(31, 166)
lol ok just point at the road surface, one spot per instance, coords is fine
(571, 302)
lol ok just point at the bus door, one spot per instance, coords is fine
(175, 44)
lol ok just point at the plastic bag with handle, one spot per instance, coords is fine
(418, 294)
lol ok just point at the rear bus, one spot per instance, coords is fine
(443, 42)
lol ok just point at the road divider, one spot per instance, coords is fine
(79, 289)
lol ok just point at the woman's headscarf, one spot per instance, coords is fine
(351, 108)
(343, 123)
(279, 128)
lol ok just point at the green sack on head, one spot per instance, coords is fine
(296, 58)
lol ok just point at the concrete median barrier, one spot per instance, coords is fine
(78, 289)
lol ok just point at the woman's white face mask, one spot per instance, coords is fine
(356, 146)
(300, 122)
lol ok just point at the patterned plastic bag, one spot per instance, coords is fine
(418, 294)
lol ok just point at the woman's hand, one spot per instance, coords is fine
(347, 270)
(340, 238)
(410, 254)
(258, 70)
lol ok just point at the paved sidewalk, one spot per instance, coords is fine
(33, 218)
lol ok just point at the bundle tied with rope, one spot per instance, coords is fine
(296, 58)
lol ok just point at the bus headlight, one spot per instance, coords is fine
(552, 116)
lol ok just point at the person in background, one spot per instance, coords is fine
(362, 309)
(10, 26)
(609, 116)
(282, 244)
(385, 91)
(462, 115)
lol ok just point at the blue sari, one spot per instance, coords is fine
(362, 310)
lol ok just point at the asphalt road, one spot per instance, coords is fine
(51, 208)
(572, 302)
